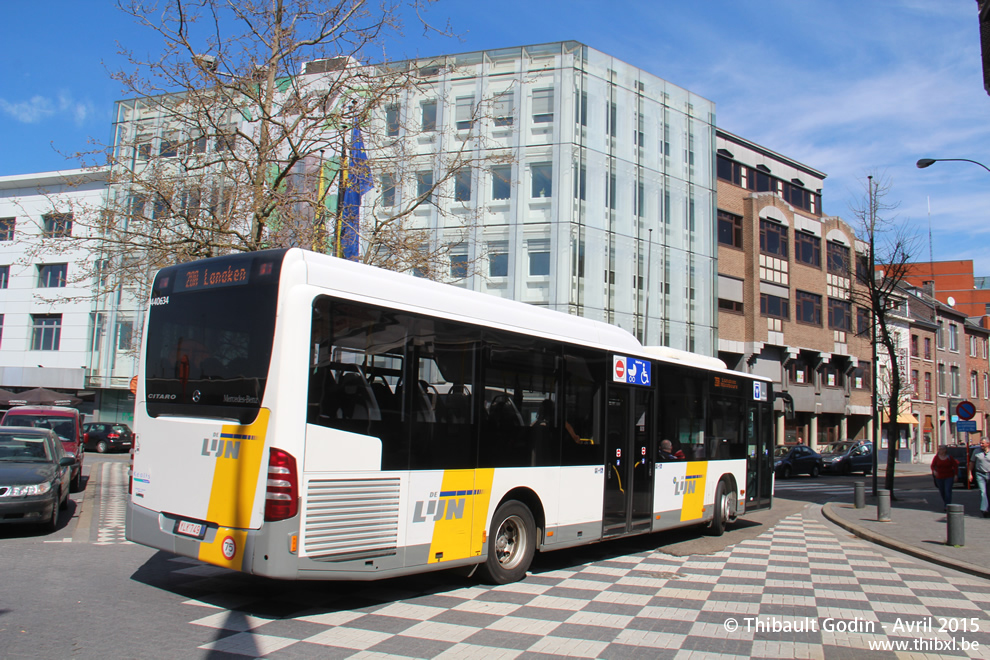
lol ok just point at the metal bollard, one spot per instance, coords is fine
(955, 526)
(883, 505)
(859, 494)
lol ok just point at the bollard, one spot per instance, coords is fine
(883, 505)
(859, 494)
(955, 526)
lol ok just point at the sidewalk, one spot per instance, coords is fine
(917, 525)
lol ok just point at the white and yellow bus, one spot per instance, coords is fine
(300, 416)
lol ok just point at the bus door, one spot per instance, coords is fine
(629, 455)
(759, 462)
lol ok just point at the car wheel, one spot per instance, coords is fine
(511, 544)
(725, 507)
(815, 471)
(76, 484)
(101, 447)
(51, 524)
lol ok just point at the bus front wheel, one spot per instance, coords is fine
(725, 508)
(511, 543)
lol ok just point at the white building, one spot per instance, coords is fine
(45, 291)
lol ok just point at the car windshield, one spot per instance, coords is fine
(61, 424)
(24, 448)
(781, 451)
(837, 448)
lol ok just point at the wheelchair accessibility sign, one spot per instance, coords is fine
(631, 371)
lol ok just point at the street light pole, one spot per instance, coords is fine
(927, 162)
(873, 336)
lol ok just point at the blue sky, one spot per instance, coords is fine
(847, 87)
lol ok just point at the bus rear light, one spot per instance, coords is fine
(282, 491)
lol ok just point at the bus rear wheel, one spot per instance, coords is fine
(511, 543)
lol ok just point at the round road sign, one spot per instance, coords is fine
(966, 410)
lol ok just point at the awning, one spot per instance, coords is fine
(902, 418)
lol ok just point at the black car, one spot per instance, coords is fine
(796, 459)
(35, 473)
(104, 436)
(959, 453)
(847, 457)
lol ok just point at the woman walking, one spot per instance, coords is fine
(944, 469)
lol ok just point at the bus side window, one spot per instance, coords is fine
(584, 375)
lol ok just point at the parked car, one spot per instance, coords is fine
(789, 460)
(35, 473)
(104, 437)
(958, 452)
(67, 424)
(847, 457)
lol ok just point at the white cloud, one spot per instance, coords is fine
(40, 108)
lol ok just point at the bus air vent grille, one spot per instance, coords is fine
(351, 518)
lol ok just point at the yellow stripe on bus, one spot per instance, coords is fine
(693, 504)
(461, 521)
(235, 482)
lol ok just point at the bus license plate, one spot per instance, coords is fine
(187, 528)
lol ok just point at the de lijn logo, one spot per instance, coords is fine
(686, 485)
(447, 505)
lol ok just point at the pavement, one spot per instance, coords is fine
(918, 524)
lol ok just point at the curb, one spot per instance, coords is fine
(894, 544)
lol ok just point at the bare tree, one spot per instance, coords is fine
(238, 130)
(890, 247)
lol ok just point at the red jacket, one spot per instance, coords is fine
(945, 468)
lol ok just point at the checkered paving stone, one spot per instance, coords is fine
(113, 503)
(736, 603)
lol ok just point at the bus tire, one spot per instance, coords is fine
(511, 544)
(725, 505)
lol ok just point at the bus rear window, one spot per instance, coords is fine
(209, 345)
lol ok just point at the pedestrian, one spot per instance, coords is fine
(800, 440)
(944, 470)
(980, 462)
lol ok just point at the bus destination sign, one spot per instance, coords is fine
(210, 277)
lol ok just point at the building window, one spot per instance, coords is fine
(928, 386)
(974, 385)
(809, 308)
(464, 112)
(928, 348)
(462, 186)
(773, 239)
(542, 106)
(429, 116)
(52, 275)
(986, 380)
(775, 306)
(611, 120)
(498, 259)
(730, 230)
(503, 109)
(838, 259)
(388, 190)
(808, 249)
(424, 185)
(733, 306)
(914, 383)
(972, 346)
(46, 332)
(832, 376)
(458, 265)
(940, 373)
(940, 335)
(862, 376)
(542, 179)
(57, 225)
(125, 335)
(839, 314)
(7, 228)
(610, 187)
(4, 276)
(914, 345)
(580, 183)
(501, 182)
(863, 321)
(392, 121)
(1, 329)
(539, 257)
(954, 380)
(953, 338)
(581, 108)
(798, 372)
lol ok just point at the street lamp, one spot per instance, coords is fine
(927, 162)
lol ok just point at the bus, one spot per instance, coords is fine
(300, 416)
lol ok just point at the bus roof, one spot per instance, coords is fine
(403, 291)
